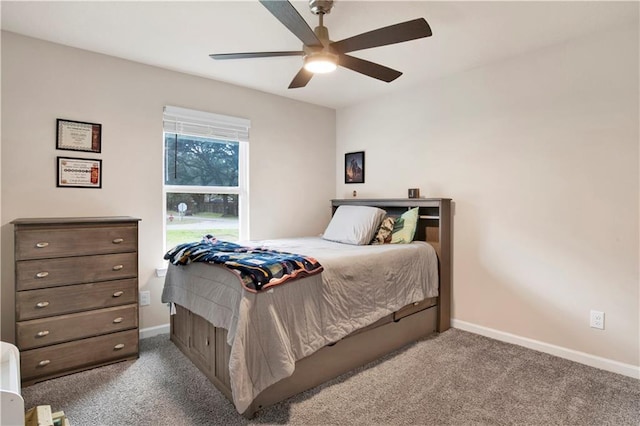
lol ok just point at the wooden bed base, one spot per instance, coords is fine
(206, 346)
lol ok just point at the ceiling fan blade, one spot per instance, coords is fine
(370, 69)
(301, 79)
(398, 33)
(255, 54)
(290, 18)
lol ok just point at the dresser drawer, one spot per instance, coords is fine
(39, 243)
(47, 331)
(76, 355)
(33, 274)
(48, 302)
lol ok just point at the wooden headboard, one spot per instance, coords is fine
(434, 226)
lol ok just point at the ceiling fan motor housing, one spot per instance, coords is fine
(325, 53)
(320, 7)
(322, 33)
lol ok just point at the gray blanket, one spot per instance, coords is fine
(271, 330)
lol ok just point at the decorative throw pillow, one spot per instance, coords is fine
(354, 224)
(398, 224)
(384, 232)
(405, 234)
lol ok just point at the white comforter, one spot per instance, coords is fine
(269, 331)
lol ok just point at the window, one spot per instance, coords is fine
(205, 176)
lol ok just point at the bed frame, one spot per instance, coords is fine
(206, 345)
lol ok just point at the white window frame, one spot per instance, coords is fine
(218, 127)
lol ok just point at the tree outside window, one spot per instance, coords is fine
(202, 188)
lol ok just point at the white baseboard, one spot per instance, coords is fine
(581, 357)
(154, 331)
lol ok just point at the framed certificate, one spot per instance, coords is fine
(79, 172)
(78, 136)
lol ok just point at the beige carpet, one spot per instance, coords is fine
(455, 378)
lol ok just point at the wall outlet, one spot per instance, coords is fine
(145, 298)
(597, 320)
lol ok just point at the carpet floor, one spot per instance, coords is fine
(454, 378)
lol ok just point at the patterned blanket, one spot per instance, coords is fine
(258, 268)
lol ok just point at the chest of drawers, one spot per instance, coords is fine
(76, 294)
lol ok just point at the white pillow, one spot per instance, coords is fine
(354, 224)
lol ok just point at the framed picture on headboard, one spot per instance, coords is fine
(354, 167)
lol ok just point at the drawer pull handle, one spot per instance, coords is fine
(42, 333)
(118, 293)
(42, 244)
(118, 346)
(117, 320)
(44, 362)
(117, 267)
(118, 240)
(416, 303)
(42, 304)
(42, 274)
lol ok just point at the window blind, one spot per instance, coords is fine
(206, 124)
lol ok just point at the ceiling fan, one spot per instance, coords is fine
(322, 55)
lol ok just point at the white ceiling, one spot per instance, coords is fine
(179, 36)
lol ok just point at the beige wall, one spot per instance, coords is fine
(43, 81)
(540, 155)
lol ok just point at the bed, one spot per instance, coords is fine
(261, 348)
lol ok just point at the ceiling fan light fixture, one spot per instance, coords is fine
(321, 62)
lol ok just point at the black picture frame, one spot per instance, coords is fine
(74, 135)
(354, 167)
(78, 172)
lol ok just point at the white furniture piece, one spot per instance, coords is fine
(12, 404)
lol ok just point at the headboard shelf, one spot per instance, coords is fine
(394, 202)
(435, 226)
